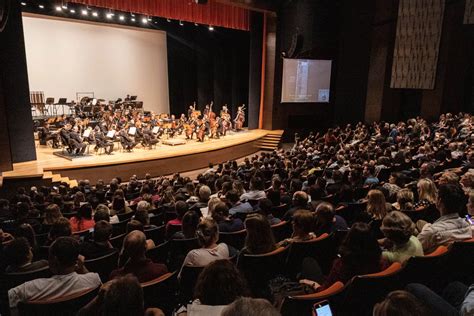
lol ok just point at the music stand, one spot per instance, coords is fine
(133, 98)
(139, 105)
(62, 102)
(50, 106)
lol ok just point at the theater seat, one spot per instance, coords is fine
(234, 239)
(323, 249)
(281, 230)
(64, 306)
(117, 241)
(461, 261)
(103, 265)
(159, 254)
(187, 282)
(259, 269)
(160, 292)
(127, 216)
(429, 270)
(364, 291)
(302, 304)
(179, 248)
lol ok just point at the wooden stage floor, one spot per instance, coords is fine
(161, 160)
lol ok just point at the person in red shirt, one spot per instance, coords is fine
(83, 220)
(181, 208)
(133, 260)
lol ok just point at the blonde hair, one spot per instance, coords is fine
(427, 190)
(405, 199)
(376, 204)
(211, 205)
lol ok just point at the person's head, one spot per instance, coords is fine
(397, 227)
(448, 177)
(250, 307)
(102, 213)
(427, 190)
(300, 199)
(142, 216)
(123, 297)
(134, 246)
(260, 237)
(181, 209)
(79, 198)
(324, 214)
(257, 184)
(376, 204)
(102, 231)
(265, 206)
(405, 199)
(63, 255)
(85, 211)
(52, 214)
(189, 224)
(61, 228)
(302, 222)
(360, 248)
(204, 193)
(18, 252)
(134, 225)
(232, 197)
(207, 232)
(450, 199)
(220, 283)
(221, 212)
(400, 303)
(143, 206)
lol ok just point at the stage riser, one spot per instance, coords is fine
(159, 167)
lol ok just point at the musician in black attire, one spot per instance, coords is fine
(148, 138)
(45, 135)
(102, 142)
(76, 142)
(127, 142)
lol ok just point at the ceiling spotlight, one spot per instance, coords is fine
(149, 19)
(95, 14)
(109, 16)
(133, 19)
(144, 21)
(195, 24)
(84, 12)
(58, 8)
(23, 3)
(181, 23)
(72, 11)
(41, 6)
(211, 28)
(168, 20)
(131, 14)
(122, 18)
(64, 6)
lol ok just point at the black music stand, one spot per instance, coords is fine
(133, 98)
(50, 105)
(62, 102)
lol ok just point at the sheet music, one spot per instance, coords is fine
(155, 130)
(111, 134)
(132, 130)
(86, 133)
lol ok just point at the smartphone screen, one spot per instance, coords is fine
(322, 309)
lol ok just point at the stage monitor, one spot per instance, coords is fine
(306, 81)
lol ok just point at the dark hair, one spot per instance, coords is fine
(220, 283)
(401, 303)
(360, 251)
(26, 231)
(260, 237)
(189, 224)
(61, 228)
(142, 216)
(134, 225)
(265, 206)
(220, 212)
(101, 215)
(124, 297)
(452, 197)
(304, 220)
(324, 216)
(17, 251)
(102, 231)
(232, 196)
(85, 212)
(181, 208)
(66, 251)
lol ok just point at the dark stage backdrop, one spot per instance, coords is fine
(206, 66)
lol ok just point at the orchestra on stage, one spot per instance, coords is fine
(97, 123)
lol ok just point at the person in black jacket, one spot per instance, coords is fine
(102, 142)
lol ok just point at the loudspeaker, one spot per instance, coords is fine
(4, 11)
(200, 1)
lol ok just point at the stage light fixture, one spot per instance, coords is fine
(41, 6)
(58, 8)
(122, 18)
(84, 12)
(168, 20)
(149, 19)
(133, 19)
(109, 16)
(211, 28)
(72, 11)
(64, 6)
(181, 23)
(23, 3)
(144, 21)
(95, 14)
(131, 14)
(195, 24)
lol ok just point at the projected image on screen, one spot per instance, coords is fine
(306, 80)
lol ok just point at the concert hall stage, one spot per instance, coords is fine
(161, 160)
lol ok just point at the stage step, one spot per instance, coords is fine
(271, 141)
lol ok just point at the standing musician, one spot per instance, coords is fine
(201, 129)
(240, 118)
(226, 120)
(191, 109)
(101, 141)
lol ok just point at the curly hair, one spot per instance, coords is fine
(397, 227)
(220, 283)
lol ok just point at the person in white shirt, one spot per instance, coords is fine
(69, 276)
(256, 192)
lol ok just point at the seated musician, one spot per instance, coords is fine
(148, 138)
(127, 142)
(45, 135)
(101, 141)
(76, 142)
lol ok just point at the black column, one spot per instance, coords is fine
(14, 84)
(255, 70)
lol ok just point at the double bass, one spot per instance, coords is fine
(201, 130)
(240, 118)
(213, 123)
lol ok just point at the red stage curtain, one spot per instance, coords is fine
(212, 13)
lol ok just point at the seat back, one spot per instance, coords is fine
(11, 280)
(428, 270)
(119, 228)
(323, 249)
(281, 230)
(172, 229)
(64, 306)
(260, 269)
(160, 292)
(157, 219)
(159, 254)
(364, 291)
(429, 214)
(117, 241)
(302, 304)
(234, 239)
(103, 265)
(280, 210)
(156, 234)
(126, 216)
(187, 282)
(179, 248)
(461, 261)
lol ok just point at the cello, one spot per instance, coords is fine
(240, 118)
